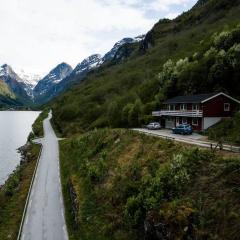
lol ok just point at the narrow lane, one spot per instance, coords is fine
(45, 213)
(193, 139)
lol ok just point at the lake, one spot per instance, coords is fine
(15, 127)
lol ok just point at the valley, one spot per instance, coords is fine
(119, 180)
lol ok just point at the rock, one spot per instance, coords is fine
(155, 231)
(74, 203)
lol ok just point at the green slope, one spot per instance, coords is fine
(7, 97)
(114, 181)
(5, 91)
(125, 93)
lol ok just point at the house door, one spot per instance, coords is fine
(177, 121)
(169, 122)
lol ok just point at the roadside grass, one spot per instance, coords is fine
(37, 127)
(56, 129)
(228, 130)
(13, 195)
(114, 181)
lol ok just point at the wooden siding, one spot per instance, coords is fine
(215, 107)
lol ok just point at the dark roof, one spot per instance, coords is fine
(190, 99)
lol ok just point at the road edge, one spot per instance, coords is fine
(29, 193)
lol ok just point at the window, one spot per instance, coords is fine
(171, 107)
(184, 120)
(226, 107)
(195, 107)
(183, 107)
(195, 121)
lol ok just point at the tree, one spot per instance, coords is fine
(114, 114)
(135, 114)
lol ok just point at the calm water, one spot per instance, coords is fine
(15, 127)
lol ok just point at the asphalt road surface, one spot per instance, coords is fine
(44, 218)
(194, 139)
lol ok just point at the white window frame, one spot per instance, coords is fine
(193, 123)
(195, 107)
(183, 107)
(184, 118)
(171, 107)
(226, 107)
(177, 121)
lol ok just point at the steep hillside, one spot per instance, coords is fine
(123, 185)
(7, 97)
(125, 92)
(5, 91)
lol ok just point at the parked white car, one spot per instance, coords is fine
(154, 126)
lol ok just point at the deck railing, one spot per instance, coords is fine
(180, 113)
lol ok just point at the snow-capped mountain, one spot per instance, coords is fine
(7, 71)
(89, 63)
(44, 92)
(46, 85)
(15, 83)
(111, 54)
(29, 78)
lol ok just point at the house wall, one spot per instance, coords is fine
(177, 106)
(215, 107)
(189, 121)
(169, 122)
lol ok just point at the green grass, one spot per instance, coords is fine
(37, 127)
(228, 130)
(13, 195)
(115, 180)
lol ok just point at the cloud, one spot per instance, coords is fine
(37, 35)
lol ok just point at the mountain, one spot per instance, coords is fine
(93, 61)
(45, 88)
(125, 94)
(7, 97)
(5, 91)
(87, 66)
(15, 84)
(30, 81)
(112, 53)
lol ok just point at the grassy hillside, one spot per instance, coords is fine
(7, 97)
(228, 130)
(5, 91)
(123, 185)
(125, 93)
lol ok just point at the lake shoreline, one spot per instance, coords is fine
(15, 128)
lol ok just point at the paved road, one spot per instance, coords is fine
(45, 213)
(195, 139)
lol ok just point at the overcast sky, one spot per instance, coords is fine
(36, 35)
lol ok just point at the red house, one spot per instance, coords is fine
(201, 111)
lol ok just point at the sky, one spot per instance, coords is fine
(36, 35)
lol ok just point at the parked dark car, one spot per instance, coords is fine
(153, 126)
(184, 129)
